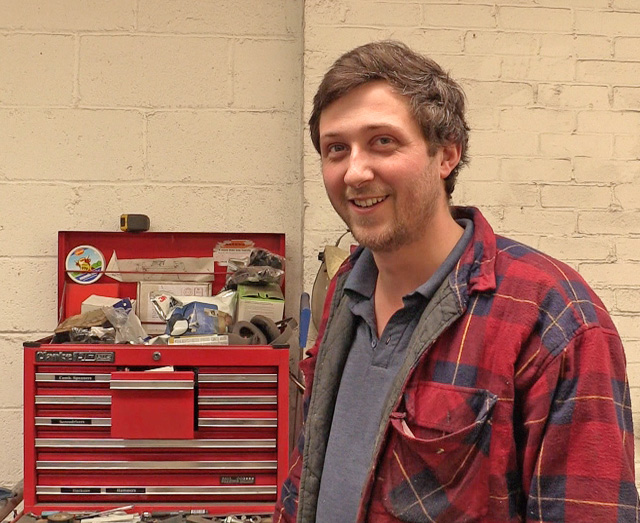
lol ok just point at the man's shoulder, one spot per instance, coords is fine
(516, 259)
(558, 290)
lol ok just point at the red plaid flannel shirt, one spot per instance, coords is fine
(518, 411)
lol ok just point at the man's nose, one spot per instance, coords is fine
(359, 169)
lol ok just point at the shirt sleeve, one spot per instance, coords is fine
(576, 441)
(286, 509)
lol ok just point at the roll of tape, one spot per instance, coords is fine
(250, 332)
(267, 326)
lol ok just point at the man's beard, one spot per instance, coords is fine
(385, 241)
(406, 226)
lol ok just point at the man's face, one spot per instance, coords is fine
(376, 168)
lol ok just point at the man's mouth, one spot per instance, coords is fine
(363, 203)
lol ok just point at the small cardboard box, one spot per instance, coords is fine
(95, 302)
(266, 300)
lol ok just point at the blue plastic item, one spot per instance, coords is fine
(305, 318)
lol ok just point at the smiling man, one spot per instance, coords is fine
(458, 375)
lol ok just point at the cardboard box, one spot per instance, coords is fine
(266, 300)
(75, 294)
(147, 313)
(95, 302)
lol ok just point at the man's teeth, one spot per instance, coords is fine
(368, 202)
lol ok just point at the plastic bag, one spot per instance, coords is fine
(254, 275)
(92, 335)
(265, 258)
(127, 325)
(262, 267)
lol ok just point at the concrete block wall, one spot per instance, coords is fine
(193, 112)
(554, 107)
(186, 111)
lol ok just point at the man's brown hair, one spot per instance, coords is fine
(435, 99)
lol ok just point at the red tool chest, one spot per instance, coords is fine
(158, 427)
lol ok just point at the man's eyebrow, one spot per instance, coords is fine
(329, 135)
(366, 128)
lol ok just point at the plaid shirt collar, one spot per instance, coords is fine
(476, 268)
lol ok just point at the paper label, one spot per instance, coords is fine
(232, 250)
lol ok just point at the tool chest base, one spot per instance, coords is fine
(103, 428)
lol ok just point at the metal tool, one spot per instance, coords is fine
(104, 512)
(198, 519)
(60, 517)
(120, 517)
(192, 512)
(178, 518)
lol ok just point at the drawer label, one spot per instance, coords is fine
(75, 377)
(57, 421)
(126, 490)
(238, 480)
(80, 490)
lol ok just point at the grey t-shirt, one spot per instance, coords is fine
(371, 366)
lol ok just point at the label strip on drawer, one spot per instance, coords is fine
(161, 490)
(99, 422)
(238, 400)
(151, 384)
(49, 377)
(73, 400)
(237, 422)
(238, 378)
(156, 465)
(96, 443)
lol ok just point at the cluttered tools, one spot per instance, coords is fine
(123, 515)
(174, 301)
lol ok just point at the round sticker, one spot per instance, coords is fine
(84, 264)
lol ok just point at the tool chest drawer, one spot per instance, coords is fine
(156, 427)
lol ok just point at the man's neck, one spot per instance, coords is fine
(402, 271)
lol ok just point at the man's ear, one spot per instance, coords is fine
(450, 158)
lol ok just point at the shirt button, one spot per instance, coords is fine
(373, 344)
(388, 340)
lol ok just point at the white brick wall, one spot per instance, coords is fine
(193, 112)
(186, 111)
(553, 106)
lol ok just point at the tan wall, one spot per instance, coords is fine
(185, 110)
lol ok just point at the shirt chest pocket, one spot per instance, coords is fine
(435, 466)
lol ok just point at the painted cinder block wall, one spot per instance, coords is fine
(186, 111)
(194, 113)
(554, 107)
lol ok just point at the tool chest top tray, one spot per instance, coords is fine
(104, 428)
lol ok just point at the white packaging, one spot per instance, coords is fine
(148, 314)
(95, 302)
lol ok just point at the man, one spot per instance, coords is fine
(458, 375)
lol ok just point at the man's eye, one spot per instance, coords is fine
(385, 140)
(336, 148)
